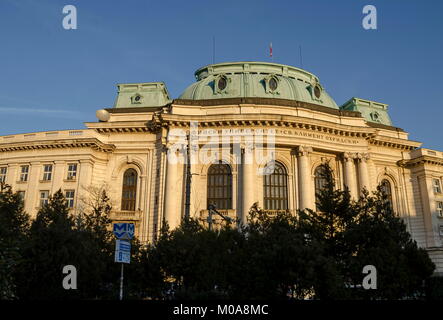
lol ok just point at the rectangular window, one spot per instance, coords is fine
(47, 172)
(24, 171)
(440, 208)
(437, 185)
(44, 198)
(21, 194)
(3, 171)
(69, 195)
(72, 171)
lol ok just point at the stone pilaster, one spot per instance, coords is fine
(248, 179)
(363, 174)
(172, 211)
(350, 174)
(306, 192)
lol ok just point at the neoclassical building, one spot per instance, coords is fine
(243, 132)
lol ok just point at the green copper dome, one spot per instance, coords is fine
(257, 79)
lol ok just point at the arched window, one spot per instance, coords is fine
(387, 191)
(321, 176)
(275, 185)
(320, 179)
(129, 190)
(220, 186)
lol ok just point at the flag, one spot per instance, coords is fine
(270, 49)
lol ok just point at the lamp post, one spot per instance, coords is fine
(211, 211)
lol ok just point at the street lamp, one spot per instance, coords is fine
(212, 209)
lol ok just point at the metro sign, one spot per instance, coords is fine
(124, 230)
(122, 251)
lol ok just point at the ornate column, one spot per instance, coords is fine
(349, 173)
(304, 178)
(248, 180)
(363, 174)
(172, 213)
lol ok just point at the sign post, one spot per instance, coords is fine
(124, 232)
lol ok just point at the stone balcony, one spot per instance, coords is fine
(126, 215)
(232, 213)
(273, 213)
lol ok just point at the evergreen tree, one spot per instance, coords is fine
(14, 226)
(366, 232)
(52, 244)
(57, 239)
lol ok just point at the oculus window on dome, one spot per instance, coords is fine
(221, 84)
(317, 91)
(271, 84)
(375, 116)
(136, 99)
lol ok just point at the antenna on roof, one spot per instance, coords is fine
(301, 59)
(213, 49)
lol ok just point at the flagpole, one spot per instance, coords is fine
(270, 52)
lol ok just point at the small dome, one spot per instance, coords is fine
(257, 79)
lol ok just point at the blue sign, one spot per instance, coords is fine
(122, 251)
(122, 245)
(124, 230)
(122, 257)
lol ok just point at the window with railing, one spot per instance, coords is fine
(129, 190)
(275, 187)
(219, 186)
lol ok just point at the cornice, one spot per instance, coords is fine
(266, 101)
(284, 121)
(391, 142)
(93, 143)
(120, 127)
(420, 161)
(264, 120)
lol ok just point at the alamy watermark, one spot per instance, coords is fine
(70, 280)
(206, 146)
(70, 20)
(369, 21)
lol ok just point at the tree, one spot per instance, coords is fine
(380, 238)
(367, 232)
(57, 238)
(278, 258)
(93, 219)
(52, 244)
(14, 226)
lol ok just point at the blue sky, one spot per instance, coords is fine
(53, 79)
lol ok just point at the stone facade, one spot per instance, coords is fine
(361, 152)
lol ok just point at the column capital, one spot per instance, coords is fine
(349, 156)
(363, 156)
(303, 150)
(247, 147)
(168, 146)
